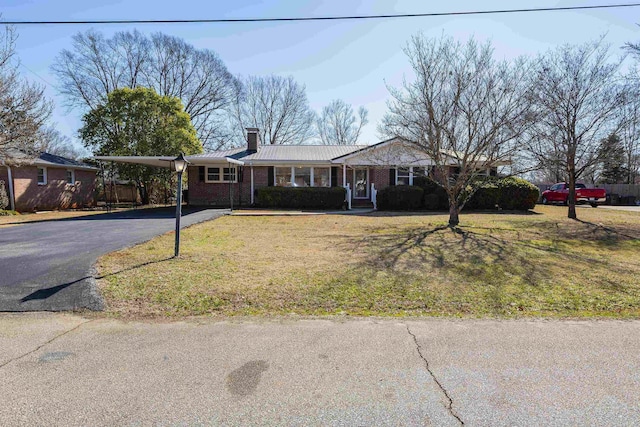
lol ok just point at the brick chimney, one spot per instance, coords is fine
(253, 140)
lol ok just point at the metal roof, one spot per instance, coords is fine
(281, 153)
(47, 160)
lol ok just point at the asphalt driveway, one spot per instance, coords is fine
(48, 265)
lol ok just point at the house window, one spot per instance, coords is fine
(71, 176)
(283, 177)
(321, 177)
(229, 174)
(403, 176)
(302, 177)
(419, 172)
(42, 176)
(215, 175)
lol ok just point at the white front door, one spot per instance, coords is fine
(361, 183)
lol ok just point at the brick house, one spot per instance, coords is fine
(216, 178)
(47, 182)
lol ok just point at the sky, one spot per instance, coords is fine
(355, 61)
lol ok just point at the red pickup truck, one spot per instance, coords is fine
(559, 193)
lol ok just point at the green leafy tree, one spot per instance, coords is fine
(139, 122)
(612, 154)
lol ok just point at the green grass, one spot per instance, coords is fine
(495, 265)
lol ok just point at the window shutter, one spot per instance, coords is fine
(240, 173)
(201, 172)
(392, 176)
(270, 176)
(334, 176)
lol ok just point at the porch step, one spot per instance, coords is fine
(362, 204)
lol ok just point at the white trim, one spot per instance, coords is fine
(73, 177)
(344, 175)
(293, 174)
(221, 180)
(366, 186)
(44, 175)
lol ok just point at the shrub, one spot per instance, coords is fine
(7, 213)
(517, 194)
(435, 197)
(4, 199)
(400, 197)
(432, 202)
(508, 193)
(301, 197)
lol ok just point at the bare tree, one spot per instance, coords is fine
(465, 112)
(629, 128)
(337, 124)
(96, 66)
(23, 107)
(277, 106)
(53, 142)
(577, 97)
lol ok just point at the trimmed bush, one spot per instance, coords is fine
(435, 197)
(301, 197)
(507, 193)
(400, 197)
(4, 198)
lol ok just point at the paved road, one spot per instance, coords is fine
(47, 265)
(67, 370)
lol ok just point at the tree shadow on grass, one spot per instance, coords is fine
(489, 253)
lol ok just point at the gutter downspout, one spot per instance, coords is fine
(12, 200)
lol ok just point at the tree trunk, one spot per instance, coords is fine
(454, 213)
(572, 193)
(144, 194)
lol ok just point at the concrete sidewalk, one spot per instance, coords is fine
(67, 370)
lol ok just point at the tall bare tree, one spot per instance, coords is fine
(338, 125)
(95, 66)
(53, 142)
(465, 111)
(577, 97)
(278, 106)
(23, 106)
(629, 128)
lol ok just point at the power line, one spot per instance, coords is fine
(36, 74)
(320, 18)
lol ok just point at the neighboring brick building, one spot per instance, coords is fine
(215, 178)
(48, 182)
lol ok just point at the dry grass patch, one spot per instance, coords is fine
(538, 264)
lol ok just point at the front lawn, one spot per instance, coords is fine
(385, 264)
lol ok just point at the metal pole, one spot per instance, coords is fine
(178, 214)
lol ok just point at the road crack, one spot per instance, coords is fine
(444, 391)
(44, 344)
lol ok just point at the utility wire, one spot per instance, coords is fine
(319, 18)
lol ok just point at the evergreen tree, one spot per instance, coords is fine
(612, 155)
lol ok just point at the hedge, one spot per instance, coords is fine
(506, 193)
(400, 197)
(435, 197)
(301, 197)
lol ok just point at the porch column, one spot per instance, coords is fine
(252, 185)
(344, 174)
